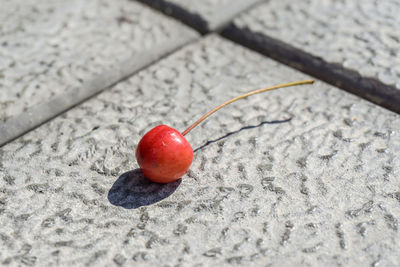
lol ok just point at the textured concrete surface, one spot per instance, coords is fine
(305, 175)
(359, 35)
(206, 15)
(49, 46)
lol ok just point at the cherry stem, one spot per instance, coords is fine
(242, 97)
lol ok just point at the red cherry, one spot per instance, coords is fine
(163, 153)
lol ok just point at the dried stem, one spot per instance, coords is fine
(244, 96)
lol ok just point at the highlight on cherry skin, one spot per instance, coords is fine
(164, 155)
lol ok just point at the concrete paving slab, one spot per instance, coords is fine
(204, 16)
(305, 175)
(50, 48)
(350, 43)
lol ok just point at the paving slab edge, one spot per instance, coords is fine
(334, 74)
(40, 114)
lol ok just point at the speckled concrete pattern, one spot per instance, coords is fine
(360, 35)
(48, 46)
(301, 176)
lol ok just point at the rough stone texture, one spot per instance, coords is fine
(206, 15)
(305, 175)
(49, 46)
(360, 35)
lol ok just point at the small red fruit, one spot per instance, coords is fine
(164, 155)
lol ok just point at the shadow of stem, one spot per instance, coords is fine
(241, 129)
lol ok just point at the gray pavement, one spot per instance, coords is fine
(74, 49)
(301, 176)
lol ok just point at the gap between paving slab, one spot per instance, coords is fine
(343, 78)
(346, 79)
(357, 42)
(203, 23)
(39, 114)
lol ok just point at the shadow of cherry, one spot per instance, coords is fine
(133, 190)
